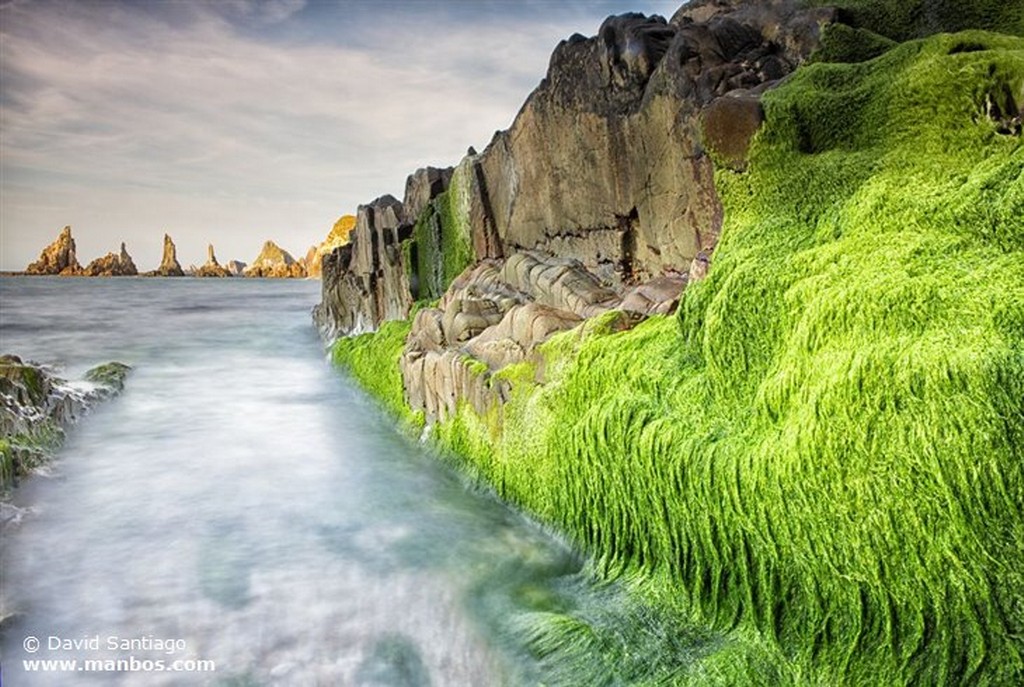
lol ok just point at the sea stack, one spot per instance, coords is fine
(112, 265)
(169, 266)
(58, 257)
(274, 261)
(212, 268)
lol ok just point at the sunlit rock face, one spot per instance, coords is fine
(273, 261)
(169, 266)
(58, 257)
(118, 264)
(211, 268)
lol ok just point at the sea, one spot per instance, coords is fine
(244, 514)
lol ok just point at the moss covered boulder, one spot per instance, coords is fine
(36, 406)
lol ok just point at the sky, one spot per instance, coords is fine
(237, 121)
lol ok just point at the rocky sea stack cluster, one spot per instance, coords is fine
(736, 305)
(59, 259)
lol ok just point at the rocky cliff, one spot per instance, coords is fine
(112, 265)
(57, 258)
(600, 196)
(274, 261)
(817, 458)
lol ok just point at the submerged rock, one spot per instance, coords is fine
(36, 406)
(112, 265)
(57, 258)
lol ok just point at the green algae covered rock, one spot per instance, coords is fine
(36, 406)
(819, 463)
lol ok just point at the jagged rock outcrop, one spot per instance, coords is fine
(338, 236)
(36, 406)
(112, 265)
(169, 266)
(57, 258)
(211, 268)
(600, 196)
(236, 268)
(365, 281)
(274, 262)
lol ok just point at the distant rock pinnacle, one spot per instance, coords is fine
(58, 257)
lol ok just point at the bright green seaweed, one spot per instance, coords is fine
(821, 459)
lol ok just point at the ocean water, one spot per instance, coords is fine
(245, 505)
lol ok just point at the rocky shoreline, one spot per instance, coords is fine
(702, 309)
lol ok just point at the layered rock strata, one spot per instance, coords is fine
(600, 196)
(365, 282)
(57, 258)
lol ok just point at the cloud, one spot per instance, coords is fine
(240, 121)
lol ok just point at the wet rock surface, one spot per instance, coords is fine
(36, 406)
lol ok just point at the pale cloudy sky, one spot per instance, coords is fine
(235, 121)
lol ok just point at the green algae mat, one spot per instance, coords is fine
(819, 462)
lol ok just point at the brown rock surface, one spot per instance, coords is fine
(169, 266)
(212, 268)
(600, 196)
(274, 262)
(365, 281)
(112, 265)
(58, 257)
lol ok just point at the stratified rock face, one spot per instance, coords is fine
(58, 257)
(606, 161)
(169, 266)
(112, 265)
(338, 236)
(274, 261)
(496, 314)
(212, 268)
(365, 281)
(609, 163)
